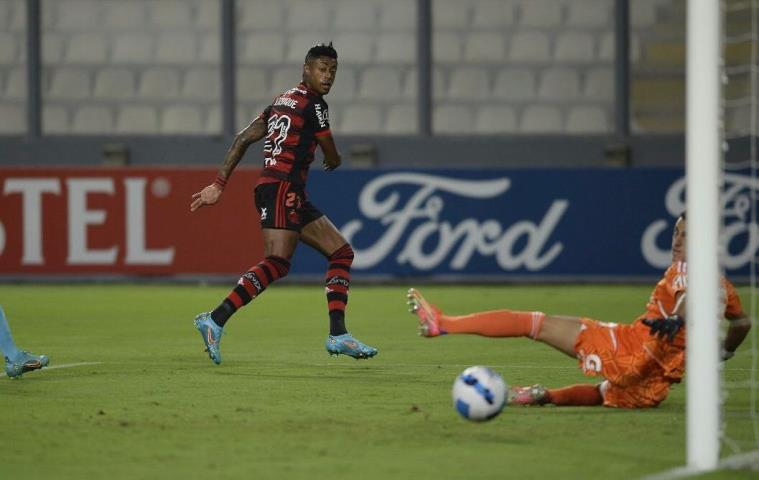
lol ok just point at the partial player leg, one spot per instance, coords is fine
(581, 395)
(17, 362)
(323, 236)
(558, 331)
(279, 245)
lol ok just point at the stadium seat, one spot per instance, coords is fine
(541, 119)
(17, 13)
(493, 14)
(492, 119)
(540, 13)
(182, 119)
(530, 47)
(345, 85)
(87, 48)
(209, 48)
(137, 119)
(447, 47)
(352, 15)
(76, 15)
(396, 48)
(15, 84)
(175, 48)
(559, 84)
(453, 14)
(398, 15)
(257, 15)
(298, 45)
(132, 48)
(12, 119)
(159, 83)
(351, 47)
(575, 47)
(114, 83)
(360, 118)
(642, 13)
(121, 15)
(402, 119)
(452, 120)
(208, 15)
(515, 84)
(8, 48)
(52, 48)
(213, 122)
(587, 119)
(671, 54)
(599, 84)
(308, 14)
(410, 87)
(93, 119)
(55, 120)
(69, 83)
(170, 13)
(657, 92)
(589, 13)
(285, 78)
(6, 11)
(264, 48)
(378, 83)
(251, 84)
(469, 83)
(202, 84)
(484, 48)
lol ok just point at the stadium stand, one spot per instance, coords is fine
(517, 56)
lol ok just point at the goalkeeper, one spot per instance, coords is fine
(638, 362)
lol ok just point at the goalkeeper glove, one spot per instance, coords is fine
(665, 327)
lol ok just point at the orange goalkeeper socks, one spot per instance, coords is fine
(497, 323)
(581, 395)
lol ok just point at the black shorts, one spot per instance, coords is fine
(284, 205)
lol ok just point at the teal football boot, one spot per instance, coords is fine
(347, 345)
(211, 334)
(24, 362)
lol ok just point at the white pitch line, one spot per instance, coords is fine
(68, 365)
(71, 365)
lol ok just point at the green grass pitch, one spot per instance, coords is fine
(138, 397)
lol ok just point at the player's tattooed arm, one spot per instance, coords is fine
(332, 158)
(249, 135)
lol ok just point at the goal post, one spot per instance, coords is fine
(703, 153)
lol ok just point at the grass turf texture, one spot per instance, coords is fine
(279, 406)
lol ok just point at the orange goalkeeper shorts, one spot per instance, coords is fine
(615, 352)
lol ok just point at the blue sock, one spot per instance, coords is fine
(6, 339)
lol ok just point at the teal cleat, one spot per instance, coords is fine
(211, 334)
(347, 345)
(24, 362)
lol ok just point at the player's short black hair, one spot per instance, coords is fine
(321, 50)
(683, 216)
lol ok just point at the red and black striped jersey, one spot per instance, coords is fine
(295, 118)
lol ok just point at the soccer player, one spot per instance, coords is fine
(17, 362)
(293, 125)
(638, 362)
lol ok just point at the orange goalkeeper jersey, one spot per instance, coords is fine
(664, 302)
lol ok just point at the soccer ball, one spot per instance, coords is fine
(479, 394)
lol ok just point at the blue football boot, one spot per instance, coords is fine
(347, 345)
(24, 362)
(211, 334)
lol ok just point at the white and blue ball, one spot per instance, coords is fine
(479, 394)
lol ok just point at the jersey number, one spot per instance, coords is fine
(279, 125)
